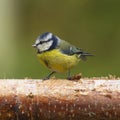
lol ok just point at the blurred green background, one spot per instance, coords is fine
(93, 25)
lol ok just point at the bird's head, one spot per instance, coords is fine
(45, 42)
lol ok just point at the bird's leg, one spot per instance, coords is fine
(49, 75)
(69, 76)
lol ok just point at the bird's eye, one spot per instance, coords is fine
(41, 42)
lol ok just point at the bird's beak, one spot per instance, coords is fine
(34, 45)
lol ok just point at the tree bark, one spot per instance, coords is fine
(59, 99)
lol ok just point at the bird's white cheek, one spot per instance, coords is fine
(45, 46)
(39, 47)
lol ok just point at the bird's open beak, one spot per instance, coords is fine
(34, 45)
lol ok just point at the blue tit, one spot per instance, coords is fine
(57, 54)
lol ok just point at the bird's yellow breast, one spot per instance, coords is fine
(57, 61)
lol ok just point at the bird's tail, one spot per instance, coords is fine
(83, 55)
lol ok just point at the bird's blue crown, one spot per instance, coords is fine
(48, 36)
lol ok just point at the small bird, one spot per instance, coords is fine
(57, 54)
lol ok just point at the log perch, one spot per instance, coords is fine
(84, 99)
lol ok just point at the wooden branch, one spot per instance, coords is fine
(60, 100)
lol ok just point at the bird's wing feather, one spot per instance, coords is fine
(69, 49)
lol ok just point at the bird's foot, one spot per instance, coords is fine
(48, 77)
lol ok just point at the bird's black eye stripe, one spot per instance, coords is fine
(41, 42)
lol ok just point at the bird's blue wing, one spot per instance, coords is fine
(67, 48)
